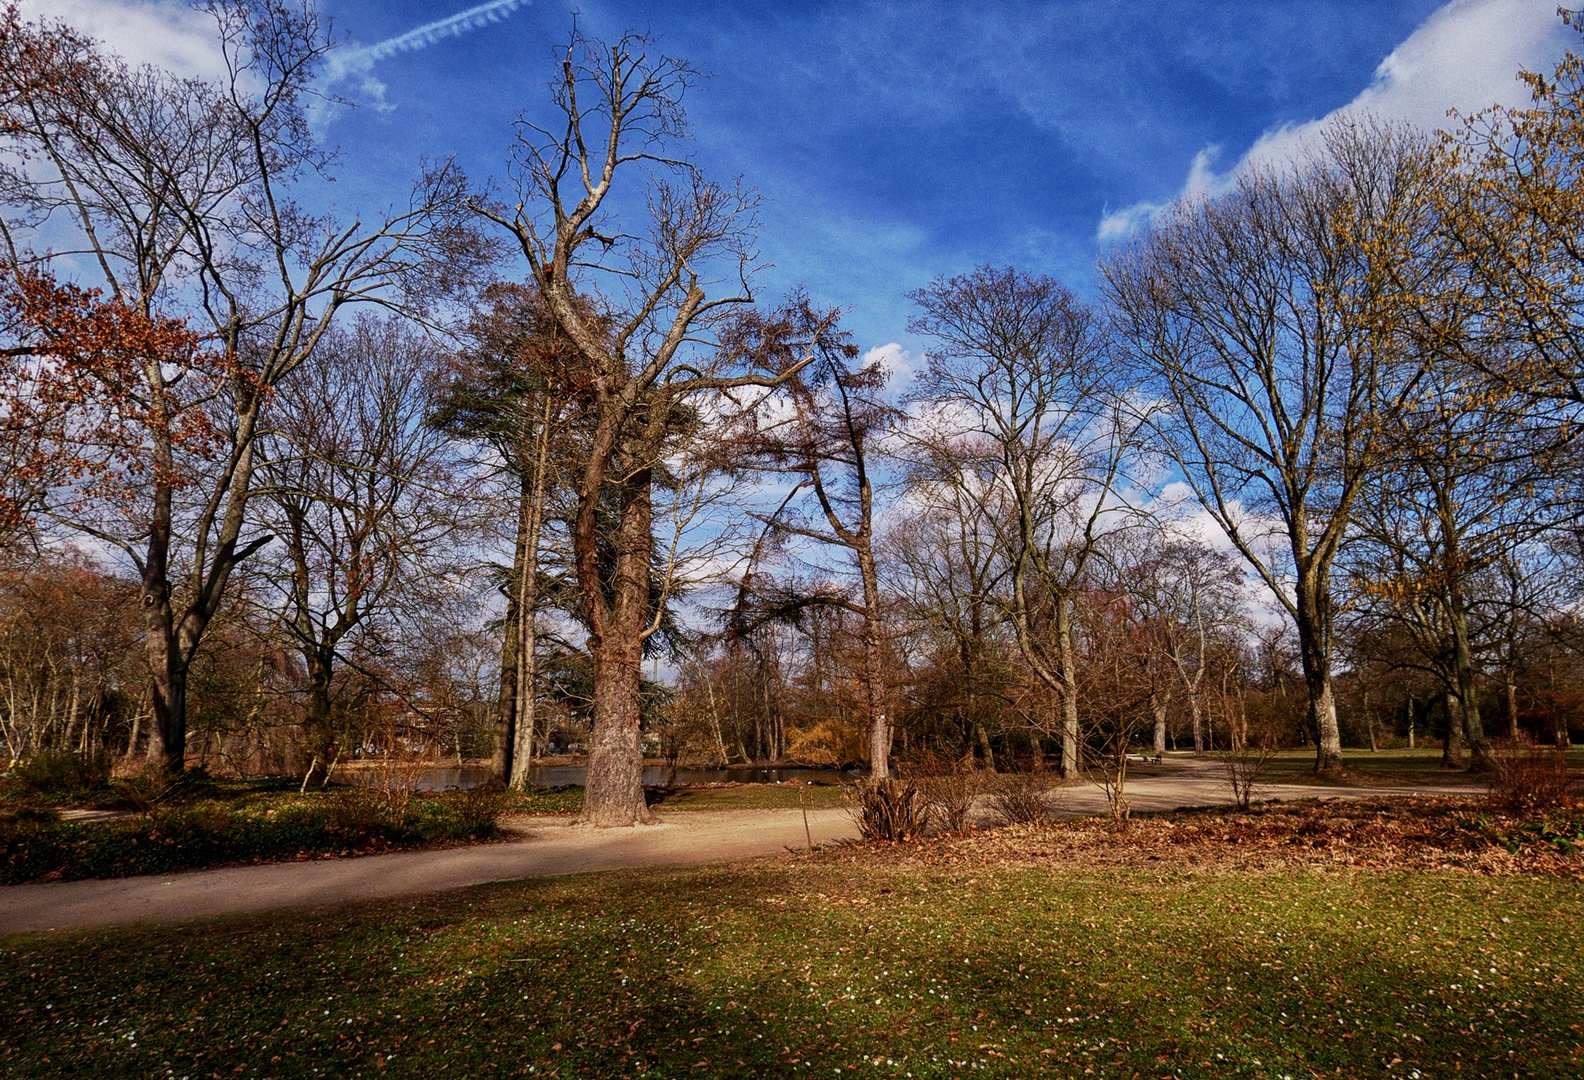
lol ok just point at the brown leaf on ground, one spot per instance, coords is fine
(1418, 833)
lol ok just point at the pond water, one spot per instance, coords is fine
(460, 777)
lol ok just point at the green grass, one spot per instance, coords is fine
(542, 800)
(805, 967)
(1389, 767)
(255, 826)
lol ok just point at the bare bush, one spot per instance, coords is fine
(888, 809)
(1021, 798)
(1245, 745)
(949, 787)
(479, 808)
(1525, 777)
(948, 797)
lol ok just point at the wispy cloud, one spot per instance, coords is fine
(357, 62)
(1202, 181)
(474, 18)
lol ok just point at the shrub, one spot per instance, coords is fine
(887, 809)
(1525, 777)
(365, 811)
(949, 796)
(478, 809)
(147, 791)
(59, 772)
(1021, 798)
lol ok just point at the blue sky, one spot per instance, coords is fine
(897, 141)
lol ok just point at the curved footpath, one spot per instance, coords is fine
(550, 847)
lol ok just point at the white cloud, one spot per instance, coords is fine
(900, 365)
(170, 34)
(1465, 57)
(164, 33)
(1202, 181)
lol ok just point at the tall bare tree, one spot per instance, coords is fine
(1272, 321)
(1024, 415)
(366, 500)
(946, 565)
(658, 293)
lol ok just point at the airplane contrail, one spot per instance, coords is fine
(474, 18)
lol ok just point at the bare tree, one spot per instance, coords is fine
(621, 121)
(178, 192)
(1024, 416)
(1190, 596)
(1270, 321)
(946, 565)
(836, 416)
(365, 497)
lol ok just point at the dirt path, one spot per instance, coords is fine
(550, 847)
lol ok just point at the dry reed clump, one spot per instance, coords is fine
(890, 810)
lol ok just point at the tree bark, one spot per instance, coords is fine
(1067, 675)
(1314, 647)
(1160, 705)
(506, 707)
(874, 657)
(614, 795)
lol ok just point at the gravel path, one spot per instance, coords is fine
(550, 847)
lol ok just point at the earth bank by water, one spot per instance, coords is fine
(461, 777)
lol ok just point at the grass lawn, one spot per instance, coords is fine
(1387, 768)
(943, 959)
(755, 797)
(208, 823)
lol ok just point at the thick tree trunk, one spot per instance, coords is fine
(316, 712)
(985, 750)
(1467, 682)
(1510, 697)
(614, 793)
(1454, 755)
(1196, 713)
(1160, 705)
(167, 743)
(874, 663)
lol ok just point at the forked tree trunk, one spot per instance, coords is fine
(506, 707)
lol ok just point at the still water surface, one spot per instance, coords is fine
(457, 777)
